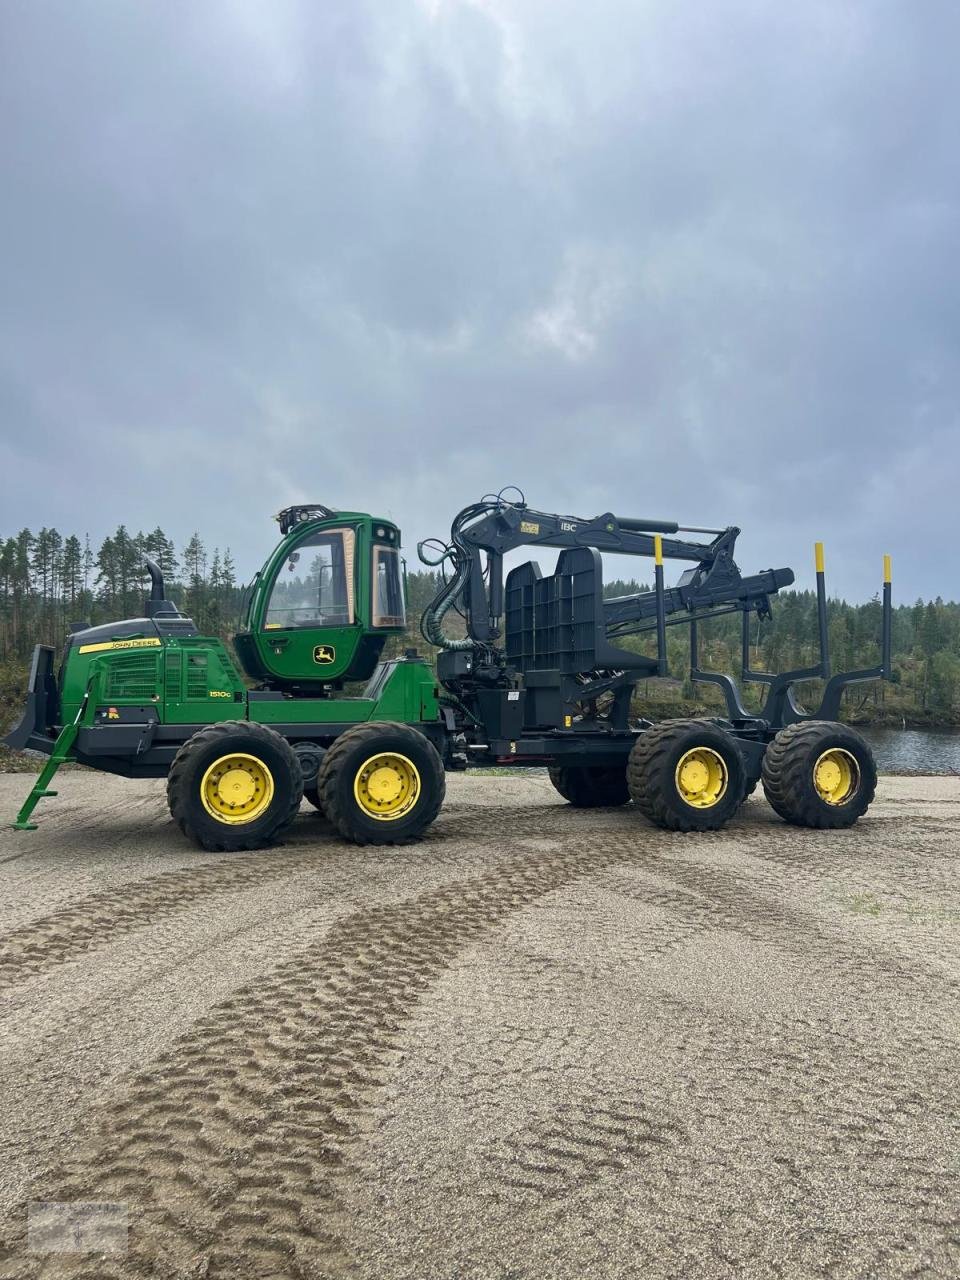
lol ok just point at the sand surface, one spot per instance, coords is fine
(545, 1042)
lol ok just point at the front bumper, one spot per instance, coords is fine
(35, 732)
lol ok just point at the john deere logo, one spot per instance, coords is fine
(324, 654)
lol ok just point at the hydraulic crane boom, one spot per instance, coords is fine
(488, 532)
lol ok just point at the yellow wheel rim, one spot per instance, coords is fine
(836, 776)
(237, 788)
(701, 777)
(387, 786)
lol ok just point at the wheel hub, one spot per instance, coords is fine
(387, 786)
(237, 788)
(836, 776)
(701, 777)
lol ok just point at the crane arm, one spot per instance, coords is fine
(483, 534)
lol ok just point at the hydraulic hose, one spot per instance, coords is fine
(460, 556)
(431, 623)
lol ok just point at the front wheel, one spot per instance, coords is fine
(819, 774)
(686, 775)
(381, 784)
(234, 785)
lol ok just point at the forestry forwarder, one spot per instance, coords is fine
(538, 680)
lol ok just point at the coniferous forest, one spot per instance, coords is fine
(49, 581)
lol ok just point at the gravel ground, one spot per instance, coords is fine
(544, 1043)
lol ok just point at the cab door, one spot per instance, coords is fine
(307, 628)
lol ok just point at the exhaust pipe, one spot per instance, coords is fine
(157, 601)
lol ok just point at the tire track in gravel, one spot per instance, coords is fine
(704, 898)
(99, 919)
(576, 1144)
(233, 1147)
(872, 1108)
(135, 1011)
(836, 1123)
(827, 1103)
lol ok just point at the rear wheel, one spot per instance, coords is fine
(819, 774)
(381, 784)
(234, 785)
(686, 775)
(587, 787)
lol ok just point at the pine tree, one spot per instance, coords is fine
(195, 571)
(107, 577)
(72, 579)
(161, 549)
(214, 619)
(45, 564)
(21, 588)
(228, 580)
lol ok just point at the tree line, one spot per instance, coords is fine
(49, 581)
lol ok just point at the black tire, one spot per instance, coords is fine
(652, 775)
(590, 787)
(340, 775)
(313, 795)
(748, 789)
(310, 755)
(789, 774)
(185, 785)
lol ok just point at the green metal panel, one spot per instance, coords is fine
(291, 653)
(312, 711)
(408, 694)
(201, 684)
(129, 671)
(194, 681)
(191, 680)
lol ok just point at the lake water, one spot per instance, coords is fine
(914, 750)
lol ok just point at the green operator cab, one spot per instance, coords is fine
(324, 604)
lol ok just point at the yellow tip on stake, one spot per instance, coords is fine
(887, 569)
(657, 549)
(818, 556)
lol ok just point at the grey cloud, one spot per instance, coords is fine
(695, 262)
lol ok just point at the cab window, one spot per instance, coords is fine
(314, 588)
(388, 610)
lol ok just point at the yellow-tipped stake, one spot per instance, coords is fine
(886, 650)
(661, 608)
(822, 610)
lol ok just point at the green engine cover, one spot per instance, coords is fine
(193, 680)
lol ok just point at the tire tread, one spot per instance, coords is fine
(651, 783)
(178, 785)
(328, 778)
(786, 780)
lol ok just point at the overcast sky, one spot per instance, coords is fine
(688, 261)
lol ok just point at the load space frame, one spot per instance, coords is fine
(541, 676)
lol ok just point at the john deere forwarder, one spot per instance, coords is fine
(539, 679)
